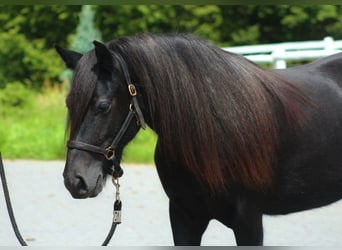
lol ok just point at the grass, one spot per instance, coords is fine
(141, 148)
(33, 124)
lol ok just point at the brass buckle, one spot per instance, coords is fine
(110, 153)
(132, 90)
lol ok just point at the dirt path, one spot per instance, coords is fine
(48, 216)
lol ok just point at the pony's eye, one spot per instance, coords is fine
(103, 107)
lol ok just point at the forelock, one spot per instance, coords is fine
(81, 91)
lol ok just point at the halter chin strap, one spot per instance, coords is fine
(109, 151)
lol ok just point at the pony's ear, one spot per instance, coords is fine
(69, 57)
(103, 55)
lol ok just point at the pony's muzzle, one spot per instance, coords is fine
(77, 186)
(80, 188)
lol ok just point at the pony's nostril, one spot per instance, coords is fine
(81, 186)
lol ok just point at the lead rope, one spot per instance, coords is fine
(9, 205)
(116, 212)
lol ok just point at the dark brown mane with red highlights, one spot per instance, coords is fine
(218, 113)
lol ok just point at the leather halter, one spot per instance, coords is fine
(109, 151)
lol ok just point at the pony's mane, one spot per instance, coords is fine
(215, 112)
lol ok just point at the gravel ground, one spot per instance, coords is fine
(48, 216)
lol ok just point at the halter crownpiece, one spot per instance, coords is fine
(135, 105)
(131, 89)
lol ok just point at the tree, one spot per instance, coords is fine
(86, 32)
(123, 20)
(27, 35)
(27, 62)
(48, 23)
(279, 23)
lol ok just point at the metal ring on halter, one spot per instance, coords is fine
(132, 90)
(131, 108)
(110, 153)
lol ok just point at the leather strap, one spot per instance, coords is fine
(123, 129)
(86, 147)
(138, 112)
(72, 144)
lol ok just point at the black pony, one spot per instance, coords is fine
(235, 141)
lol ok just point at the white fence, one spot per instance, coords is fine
(279, 53)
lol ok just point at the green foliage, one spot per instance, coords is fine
(48, 23)
(24, 61)
(223, 24)
(141, 148)
(13, 98)
(33, 126)
(122, 20)
(279, 23)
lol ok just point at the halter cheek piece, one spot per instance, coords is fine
(109, 151)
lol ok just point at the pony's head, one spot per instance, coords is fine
(98, 104)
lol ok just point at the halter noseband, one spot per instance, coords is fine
(109, 151)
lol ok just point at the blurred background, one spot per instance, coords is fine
(34, 81)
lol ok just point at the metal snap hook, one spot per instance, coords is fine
(117, 188)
